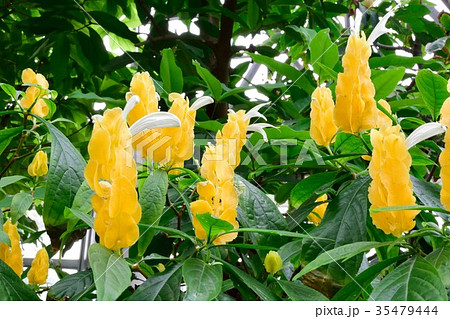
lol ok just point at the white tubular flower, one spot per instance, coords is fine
(380, 28)
(130, 105)
(201, 102)
(258, 127)
(155, 120)
(97, 118)
(424, 132)
(254, 112)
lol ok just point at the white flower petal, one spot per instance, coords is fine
(157, 96)
(254, 112)
(130, 105)
(155, 120)
(201, 102)
(97, 118)
(380, 28)
(424, 132)
(258, 127)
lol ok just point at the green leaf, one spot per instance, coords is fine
(82, 200)
(21, 202)
(65, 176)
(7, 135)
(4, 238)
(440, 259)
(9, 89)
(385, 81)
(262, 291)
(170, 72)
(162, 286)
(344, 222)
(12, 288)
(73, 287)
(152, 199)
(402, 61)
(308, 186)
(92, 97)
(433, 89)
(114, 25)
(111, 272)
(436, 45)
(297, 291)
(252, 14)
(256, 210)
(88, 219)
(284, 69)
(353, 289)
(414, 280)
(8, 180)
(213, 225)
(324, 52)
(213, 84)
(429, 194)
(342, 252)
(59, 62)
(203, 281)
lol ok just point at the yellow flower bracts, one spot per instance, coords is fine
(111, 173)
(444, 158)
(12, 256)
(142, 86)
(391, 185)
(273, 262)
(217, 195)
(355, 109)
(33, 94)
(38, 166)
(323, 129)
(39, 268)
(317, 213)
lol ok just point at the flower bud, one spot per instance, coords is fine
(33, 95)
(39, 268)
(317, 213)
(12, 255)
(38, 166)
(323, 128)
(273, 262)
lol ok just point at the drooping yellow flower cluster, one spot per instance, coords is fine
(444, 158)
(317, 213)
(111, 173)
(323, 128)
(170, 146)
(391, 184)
(33, 94)
(38, 166)
(217, 195)
(355, 109)
(39, 268)
(12, 256)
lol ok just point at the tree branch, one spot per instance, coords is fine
(150, 18)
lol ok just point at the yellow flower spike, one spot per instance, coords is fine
(142, 86)
(12, 256)
(444, 158)
(33, 93)
(323, 128)
(38, 272)
(38, 166)
(317, 213)
(391, 185)
(355, 109)
(111, 173)
(382, 118)
(273, 262)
